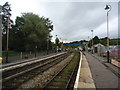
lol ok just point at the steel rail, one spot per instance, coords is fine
(62, 69)
(31, 69)
(27, 62)
(8, 73)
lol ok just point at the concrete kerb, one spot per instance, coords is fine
(86, 70)
(86, 79)
(78, 73)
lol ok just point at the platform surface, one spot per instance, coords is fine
(96, 74)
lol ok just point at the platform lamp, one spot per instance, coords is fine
(107, 8)
(48, 38)
(35, 50)
(88, 43)
(0, 31)
(7, 37)
(92, 41)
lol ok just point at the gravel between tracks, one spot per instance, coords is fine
(40, 80)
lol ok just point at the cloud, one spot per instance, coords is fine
(101, 31)
(80, 18)
(72, 20)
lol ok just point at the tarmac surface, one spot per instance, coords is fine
(105, 75)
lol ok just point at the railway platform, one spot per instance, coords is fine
(84, 77)
(16, 61)
(94, 72)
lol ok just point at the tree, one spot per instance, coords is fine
(115, 41)
(96, 40)
(36, 30)
(17, 36)
(104, 41)
(57, 41)
(6, 9)
(30, 31)
(6, 21)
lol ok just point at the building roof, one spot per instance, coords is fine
(99, 44)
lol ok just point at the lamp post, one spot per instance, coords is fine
(88, 38)
(0, 31)
(47, 44)
(88, 44)
(61, 44)
(7, 37)
(35, 51)
(57, 44)
(108, 8)
(92, 41)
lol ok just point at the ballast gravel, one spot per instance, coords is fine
(40, 80)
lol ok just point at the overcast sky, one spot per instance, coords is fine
(72, 20)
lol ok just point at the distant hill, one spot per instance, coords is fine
(114, 41)
(97, 40)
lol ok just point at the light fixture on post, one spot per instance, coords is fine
(0, 32)
(108, 8)
(47, 44)
(92, 42)
(35, 50)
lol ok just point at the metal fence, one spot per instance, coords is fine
(27, 56)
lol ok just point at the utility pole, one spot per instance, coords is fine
(7, 38)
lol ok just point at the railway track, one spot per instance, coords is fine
(29, 60)
(13, 78)
(26, 62)
(65, 78)
(18, 67)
